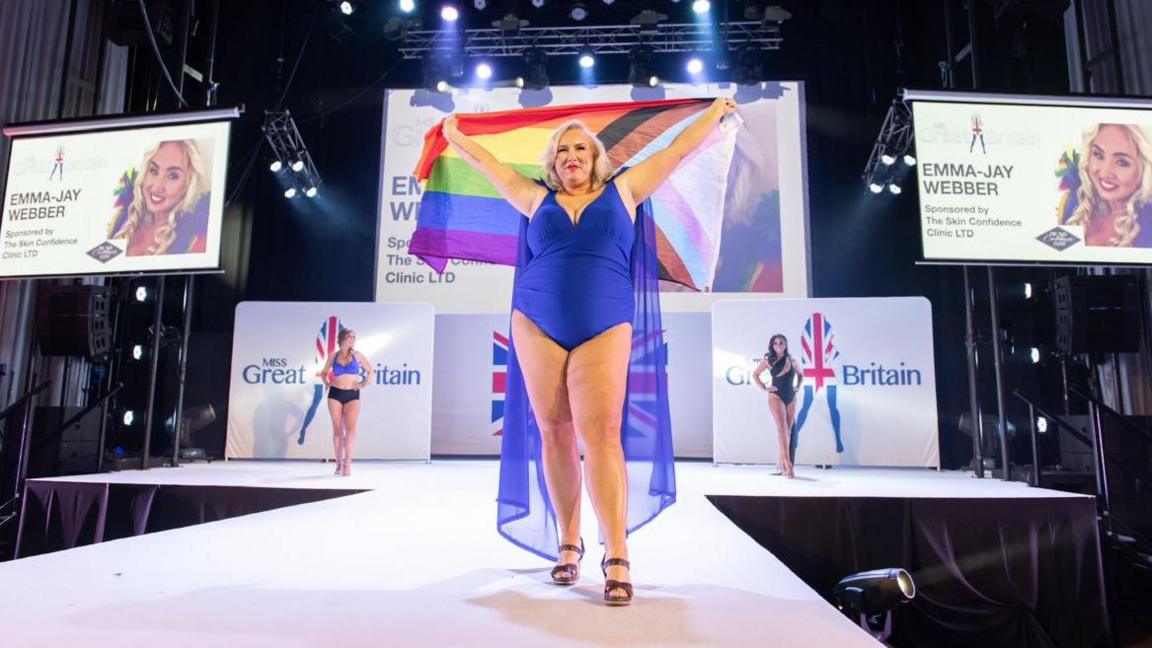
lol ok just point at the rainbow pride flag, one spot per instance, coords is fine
(461, 216)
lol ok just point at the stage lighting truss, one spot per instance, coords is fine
(601, 39)
(892, 156)
(288, 148)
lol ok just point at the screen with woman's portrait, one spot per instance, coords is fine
(1011, 179)
(113, 199)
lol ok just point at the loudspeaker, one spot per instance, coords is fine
(72, 451)
(1097, 314)
(73, 321)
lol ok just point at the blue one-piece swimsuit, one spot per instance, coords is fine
(578, 283)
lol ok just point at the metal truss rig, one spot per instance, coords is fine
(600, 39)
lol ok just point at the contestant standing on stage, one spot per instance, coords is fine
(781, 395)
(572, 311)
(344, 373)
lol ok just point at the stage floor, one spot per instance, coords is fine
(416, 561)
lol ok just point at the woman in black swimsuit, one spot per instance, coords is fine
(781, 394)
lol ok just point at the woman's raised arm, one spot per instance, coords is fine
(643, 179)
(520, 191)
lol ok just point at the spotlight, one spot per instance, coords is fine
(888, 159)
(310, 192)
(894, 189)
(520, 82)
(290, 192)
(695, 66)
(909, 160)
(128, 418)
(407, 6)
(449, 13)
(142, 293)
(701, 6)
(441, 86)
(480, 5)
(867, 596)
(275, 166)
(653, 81)
(1027, 291)
(347, 8)
(875, 187)
(1041, 424)
(587, 61)
(578, 11)
(537, 3)
(1034, 355)
(609, 2)
(137, 351)
(298, 165)
(484, 71)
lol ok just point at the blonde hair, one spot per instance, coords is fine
(601, 165)
(138, 212)
(1090, 206)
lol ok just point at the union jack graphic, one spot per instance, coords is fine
(648, 363)
(325, 346)
(819, 351)
(499, 380)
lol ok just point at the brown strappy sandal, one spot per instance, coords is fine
(612, 584)
(568, 573)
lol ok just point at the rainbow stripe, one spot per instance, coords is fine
(461, 216)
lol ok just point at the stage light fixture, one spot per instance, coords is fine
(510, 24)
(298, 165)
(407, 6)
(701, 6)
(347, 7)
(694, 66)
(288, 148)
(875, 187)
(128, 417)
(1041, 424)
(137, 351)
(442, 86)
(483, 71)
(653, 81)
(537, 3)
(310, 192)
(909, 160)
(1034, 355)
(775, 14)
(480, 5)
(141, 293)
(894, 189)
(587, 61)
(867, 596)
(290, 192)
(888, 159)
(1027, 290)
(449, 13)
(276, 166)
(578, 11)
(648, 21)
(519, 82)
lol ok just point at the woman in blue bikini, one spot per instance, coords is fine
(344, 373)
(572, 313)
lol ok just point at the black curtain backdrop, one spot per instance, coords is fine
(62, 515)
(1016, 573)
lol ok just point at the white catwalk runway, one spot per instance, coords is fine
(416, 561)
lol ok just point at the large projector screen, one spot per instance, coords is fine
(1033, 180)
(126, 195)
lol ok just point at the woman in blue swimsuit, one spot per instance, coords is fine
(781, 395)
(572, 313)
(344, 373)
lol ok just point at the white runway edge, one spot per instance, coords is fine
(417, 562)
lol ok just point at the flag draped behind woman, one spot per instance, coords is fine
(461, 216)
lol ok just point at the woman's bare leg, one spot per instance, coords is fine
(597, 383)
(780, 416)
(351, 416)
(336, 410)
(544, 365)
